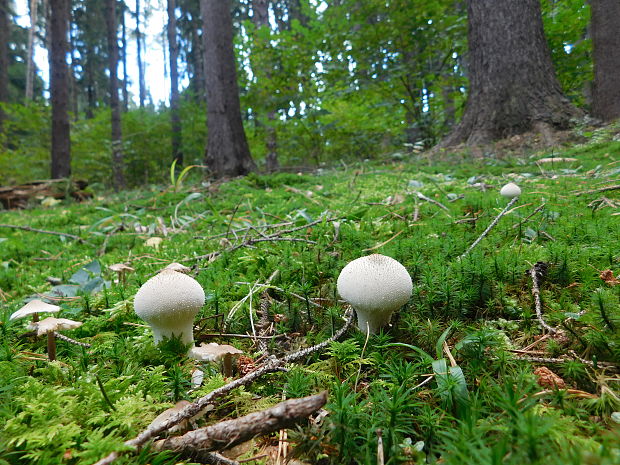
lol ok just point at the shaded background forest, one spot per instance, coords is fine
(318, 83)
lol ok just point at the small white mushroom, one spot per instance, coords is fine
(375, 286)
(168, 302)
(49, 326)
(510, 191)
(34, 307)
(121, 270)
(213, 352)
(183, 426)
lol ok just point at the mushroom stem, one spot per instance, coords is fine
(51, 346)
(35, 317)
(227, 365)
(372, 323)
(184, 330)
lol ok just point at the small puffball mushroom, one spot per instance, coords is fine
(168, 302)
(34, 307)
(49, 326)
(213, 352)
(172, 411)
(375, 286)
(510, 191)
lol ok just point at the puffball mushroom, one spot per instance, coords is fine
(510, 191)
(375, 286)
(168, 302)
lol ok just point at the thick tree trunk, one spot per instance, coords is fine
(227, 151)
(118, 177)
(30, 51)
(513, 88)
(260, 17)
(175, 117)
(606, 51)
(4, 57)
(141, 84)
(59, 89)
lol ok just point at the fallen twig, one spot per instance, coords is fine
(536, 273)
(524, 220)
(490, 227)
(602, 189)
(42, 231)
(229, 433)
(273, 364)
(421, 196)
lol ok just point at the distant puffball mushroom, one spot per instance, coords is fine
(375, 286)
(169, 302)
(510, 191)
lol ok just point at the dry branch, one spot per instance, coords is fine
(42, 231)
(273, 364)
(536, 273)
(602, 189)
(229, 433)
(491, 226)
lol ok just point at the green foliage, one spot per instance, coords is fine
(485, 407)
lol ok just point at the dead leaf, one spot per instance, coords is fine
(548, 379)
(608, 277)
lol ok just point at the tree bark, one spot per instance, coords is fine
(124, 57)
(118, 178)
(59, 89)
(227, 152)
(30, 51)
(175, 117)
(605, 24)
(260, 17)
(229, 433)
(513, 87)
(4, 57)
(141, 83)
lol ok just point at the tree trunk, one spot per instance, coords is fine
(118, 178)
(124, 57)
(59, 89)
(175, 117)
(260, 17)
(513, 88)
(227, 151)
(30, 50)
(4, 58)
(141, 83)
(606, 51)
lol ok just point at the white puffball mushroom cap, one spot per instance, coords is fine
(375, 286)
(169, 302)
(510, 190)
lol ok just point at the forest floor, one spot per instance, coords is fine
(468, 372)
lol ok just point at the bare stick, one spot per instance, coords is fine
(524, 220)
(490, 227)
(42, 231)
(229, 433)
(273, 364)
(434, 202)
(70, 341)
(534, 273)
(602, 189)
